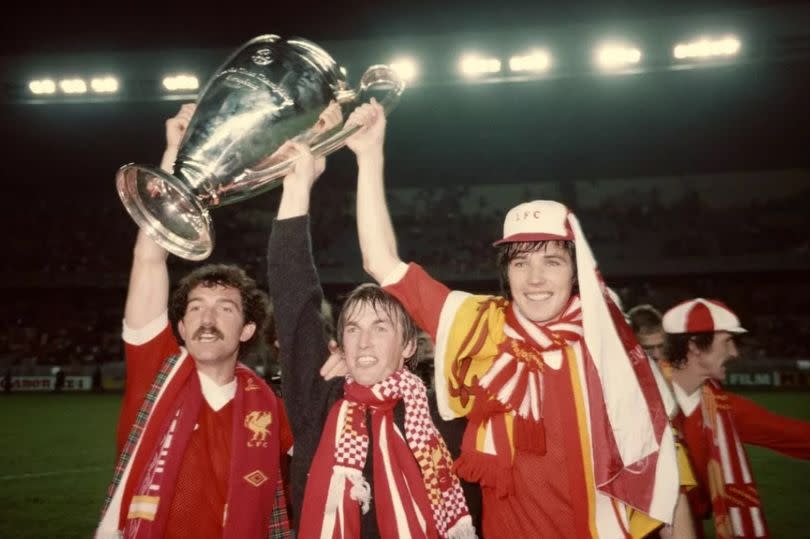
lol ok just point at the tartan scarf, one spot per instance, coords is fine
(136, 433)
(735, 501)
(416, 494)
(150, 461)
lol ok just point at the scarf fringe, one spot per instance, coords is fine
(360, 491)
(462, 529)
(485, 469)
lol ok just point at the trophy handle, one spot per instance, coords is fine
(378, 81)
(166, 210)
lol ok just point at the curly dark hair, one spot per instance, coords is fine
(509, 251)
(256, 306)
(677, 345)
(373, 295)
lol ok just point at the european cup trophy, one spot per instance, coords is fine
(269, 91)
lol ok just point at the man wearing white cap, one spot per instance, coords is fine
(715, 423)
(566, 430)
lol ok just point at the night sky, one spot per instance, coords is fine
(63, 27)
(733, 118)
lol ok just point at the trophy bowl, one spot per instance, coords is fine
(271, 90)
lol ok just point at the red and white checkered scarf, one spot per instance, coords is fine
(415, 492)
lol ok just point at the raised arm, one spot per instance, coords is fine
(298, 184)
(148, 293)
(377, 240)
(296, 292)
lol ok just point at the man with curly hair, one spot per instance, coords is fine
(200, 436)
(701, 339)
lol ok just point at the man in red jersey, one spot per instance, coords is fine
(715, 423)
(200, 435)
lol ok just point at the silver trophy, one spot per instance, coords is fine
(269, 91)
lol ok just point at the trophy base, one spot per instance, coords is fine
(166, 210)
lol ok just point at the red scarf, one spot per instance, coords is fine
(514, 386)
(735, 501)
(415, 492)
(254, 459)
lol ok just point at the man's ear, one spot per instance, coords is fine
(692, 349)
(247, 331)
(409, 350)
(181, 330)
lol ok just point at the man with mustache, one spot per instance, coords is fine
(200, 436)
(700, 341)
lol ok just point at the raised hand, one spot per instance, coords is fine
(335, 364)
(370, 137)
(306, 169)
(176, 126)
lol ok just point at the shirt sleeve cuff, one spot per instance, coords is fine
(148, 332)
(395, 275)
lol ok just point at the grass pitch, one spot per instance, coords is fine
(57, 451)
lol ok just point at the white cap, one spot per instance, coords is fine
(538, 220)
(701, 316)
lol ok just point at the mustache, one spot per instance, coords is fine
(208, 329)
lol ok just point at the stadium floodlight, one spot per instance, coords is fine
(42, 87)
(406, 68)
(174, 83)
(73, 86)
(104, 85)
(615, 56)
(474, 65)
(536, 60)
(707, 47)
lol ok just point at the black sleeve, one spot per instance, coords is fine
(296, 293)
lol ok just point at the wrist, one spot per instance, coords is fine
(296, 191)
(371, 156)
(147, 250)
(169, 157)
(294, 202)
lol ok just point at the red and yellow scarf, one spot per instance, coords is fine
(506, 410)
(509, 396)
(735, 501)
